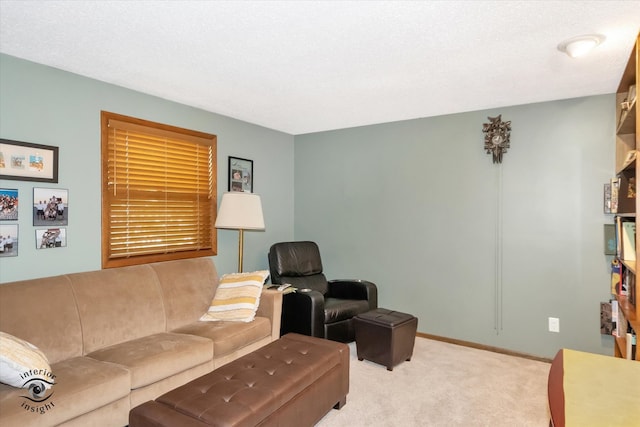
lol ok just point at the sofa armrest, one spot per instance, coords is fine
(271, 307)
(354, 289)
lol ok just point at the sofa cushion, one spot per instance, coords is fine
(82, 385)
(43, 312)
(158, 356)
(22, 364)
(229, 337)
(237, 297)
(187, 286)
(118, 305)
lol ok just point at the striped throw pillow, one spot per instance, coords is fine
(237, 297)
(22, 363)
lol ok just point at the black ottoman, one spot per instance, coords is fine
(385, 337)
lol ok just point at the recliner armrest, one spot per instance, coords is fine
(303, 312)
(354, 289)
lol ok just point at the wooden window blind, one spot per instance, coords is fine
(158, 192)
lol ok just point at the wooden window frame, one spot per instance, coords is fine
(192, 246)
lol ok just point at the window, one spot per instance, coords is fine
(158, 192)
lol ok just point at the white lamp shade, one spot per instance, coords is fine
(240, 211)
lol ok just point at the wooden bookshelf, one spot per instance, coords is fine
(627, 133)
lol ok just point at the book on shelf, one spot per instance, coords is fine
(631, 157)
(607, 197)
(631, 95)
(626, 199)
(625, 232)
(626, 278)
(618, 233)
(614, 316)
(631, 289)
(632, 344)
(629, 240)
(606, 322)
(621, 324)
(616, 277)
(615, 186)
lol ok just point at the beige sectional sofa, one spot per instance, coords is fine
(116, 338)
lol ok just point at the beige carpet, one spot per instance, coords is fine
(445, 385)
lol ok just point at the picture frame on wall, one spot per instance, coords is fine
(25, 161)
(8, 240)
(51, 238)
(240, 175)
(8, 204)
(610, 239)
(50, 207)
(607, 198)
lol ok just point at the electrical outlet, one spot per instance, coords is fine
(554, 324)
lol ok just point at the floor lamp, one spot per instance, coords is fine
(240, 211)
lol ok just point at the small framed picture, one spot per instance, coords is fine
(24, 161)
(607, 198)
(51, 238)
(8, 204)
(50, 207)
(610, 239)
(240, 175)
(8, 240)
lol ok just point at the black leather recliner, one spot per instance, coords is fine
(319, 308)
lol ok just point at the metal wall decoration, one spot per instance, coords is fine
(496, 138)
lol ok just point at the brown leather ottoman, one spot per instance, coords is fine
(385, 337)
(293, 381)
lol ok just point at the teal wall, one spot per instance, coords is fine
(418, 207)
(43, 105)
(415, 206)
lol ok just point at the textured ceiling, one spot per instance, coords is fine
(310, 66)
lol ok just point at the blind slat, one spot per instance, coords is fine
(150, 130)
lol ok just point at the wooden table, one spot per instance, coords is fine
(587, 389)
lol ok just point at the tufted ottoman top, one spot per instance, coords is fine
(384, 317)
(249, 389)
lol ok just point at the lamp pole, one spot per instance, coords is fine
(240, 249)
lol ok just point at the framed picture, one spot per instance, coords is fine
(51, 238)
(607, 198)
(50, 207)
(8, 204)
(240, 175)
(23, 161)
(8, 240)
(610, 239)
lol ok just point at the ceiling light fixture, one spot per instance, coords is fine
(581, 45)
